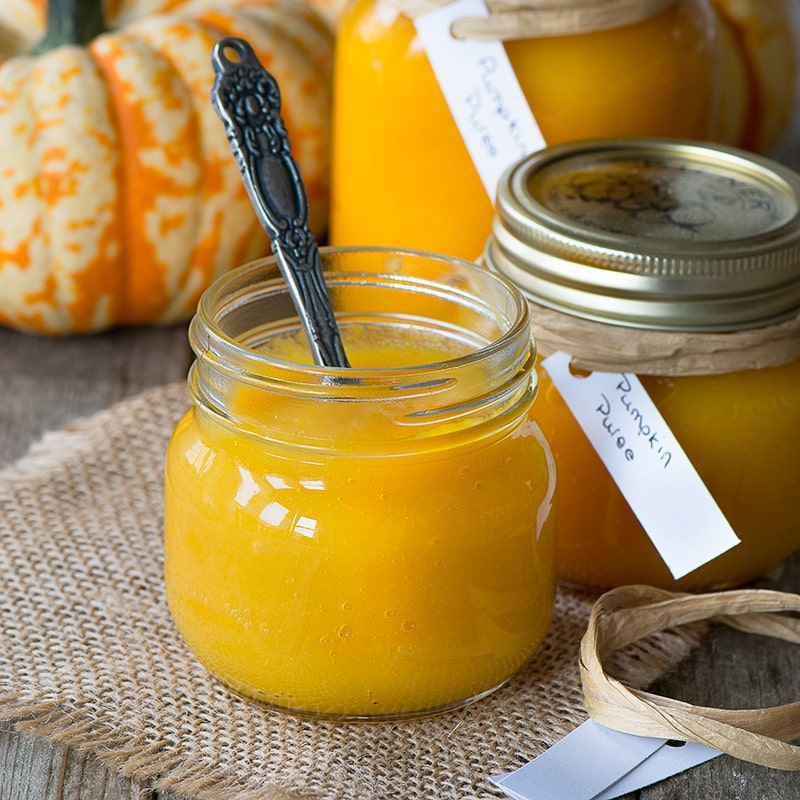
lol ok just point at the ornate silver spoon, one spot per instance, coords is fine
(247, 99)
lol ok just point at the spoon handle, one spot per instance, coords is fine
(247, 99)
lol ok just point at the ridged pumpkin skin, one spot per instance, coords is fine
(120, 200)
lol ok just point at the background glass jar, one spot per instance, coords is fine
(394, 139)
(371, 542)
(679, 262)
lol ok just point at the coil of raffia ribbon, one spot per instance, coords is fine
(629, 613)
(614, 348)
(520, 19)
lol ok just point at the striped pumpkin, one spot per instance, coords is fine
(120, 200)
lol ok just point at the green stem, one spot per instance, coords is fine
(71, 22)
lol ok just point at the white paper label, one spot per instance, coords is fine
(596, 763)
(482, 91)
(648, 465)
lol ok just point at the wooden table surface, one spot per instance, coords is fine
(45, 383)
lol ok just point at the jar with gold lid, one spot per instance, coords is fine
(679, 263)
(631, 68)
(372, 542)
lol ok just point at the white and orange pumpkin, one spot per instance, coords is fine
(119, 197)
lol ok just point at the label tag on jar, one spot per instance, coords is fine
(597, 763)
(648, 465)
(482, 91)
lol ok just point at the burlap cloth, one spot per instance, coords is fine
(89, 654)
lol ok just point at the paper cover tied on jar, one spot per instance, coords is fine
(401, 174)
(677, 263)
(370, 542)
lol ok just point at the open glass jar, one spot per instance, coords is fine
(372, 542)
(679, 263)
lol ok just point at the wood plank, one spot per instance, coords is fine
(33, 769)
(47, 383)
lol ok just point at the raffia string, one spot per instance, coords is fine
(521, 19)
(628, 614)
(601, 346)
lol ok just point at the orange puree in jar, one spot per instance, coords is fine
(741, 431)
(401, 175)
(375, 542)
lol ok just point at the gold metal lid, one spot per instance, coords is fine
(651, 233)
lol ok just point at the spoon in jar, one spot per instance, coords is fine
(247, 99)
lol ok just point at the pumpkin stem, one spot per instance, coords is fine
(71, 22)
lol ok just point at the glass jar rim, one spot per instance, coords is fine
(404, 297)
(234, 289)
